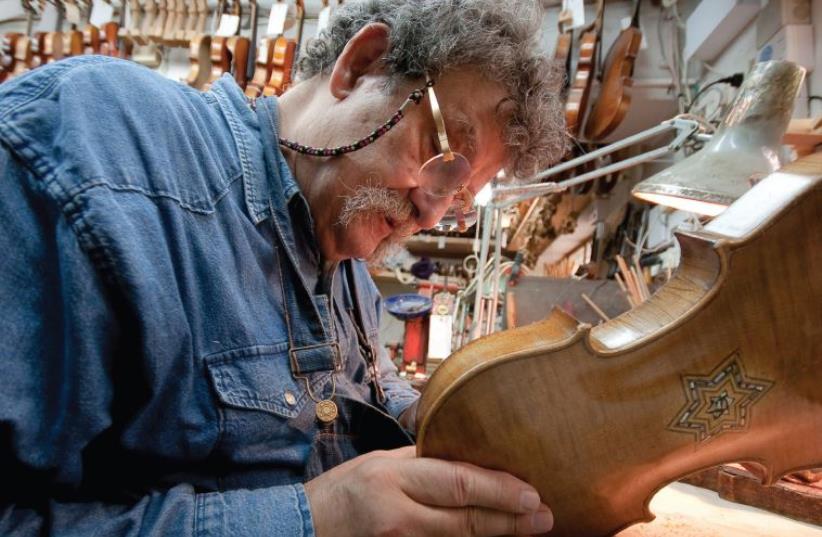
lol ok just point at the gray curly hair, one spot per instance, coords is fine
(433, 36)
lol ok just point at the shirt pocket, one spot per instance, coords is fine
(267, 418)
(259, 378)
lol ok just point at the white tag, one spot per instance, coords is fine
(101, 13)
(276, 19)
(323, 18)
(48, 19)
(625, 23)
(72, 13)
(229, 25)
(577, 9)
(439, 336)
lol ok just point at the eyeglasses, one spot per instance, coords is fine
(444, 175)
(447, 175)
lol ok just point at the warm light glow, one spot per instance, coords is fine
(683, 204)
(483, 196)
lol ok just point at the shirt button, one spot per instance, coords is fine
(289, 398)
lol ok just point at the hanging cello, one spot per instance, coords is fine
(720, 365)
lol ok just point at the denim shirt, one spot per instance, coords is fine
(163, 314)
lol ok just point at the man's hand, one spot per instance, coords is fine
(394, 493)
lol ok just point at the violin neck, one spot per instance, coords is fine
(596, 26)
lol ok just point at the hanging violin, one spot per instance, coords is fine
(614, 99)
(577, 101)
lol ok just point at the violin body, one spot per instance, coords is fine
(262, 68)
(239, 48)
(281, 65)
(23, 56)
(562, 53)
(7, 59)
(722, 364)
(580, 89)
(615, 92)
(91, 39)
(199, 57)
(49, 47)
(220, 59)
(72, 43)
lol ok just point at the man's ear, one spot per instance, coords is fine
(362, 54)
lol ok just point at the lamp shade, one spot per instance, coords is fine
(746, 147)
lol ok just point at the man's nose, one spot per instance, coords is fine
(430, 208)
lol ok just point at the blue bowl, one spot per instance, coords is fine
(408, 306)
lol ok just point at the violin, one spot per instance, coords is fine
(577, 101)
(23, 57)
(565, 40)
(72, 38)
(282, 63)
(262, 69)
(146, 32)
(615, 92)
(199, 51)
(91, 39)
(72, 43)
(7, 60)
(221, 56)
(220, 59)
(243, 50)
(238, 50)
(720, 365)
(49, 46)
(108, 39)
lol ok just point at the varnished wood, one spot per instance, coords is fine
(72, 43)
(239, 48)
(220, 59)
(564, 45)
(614, 99)
(91, 39)
(789, 497)
(7, 59)
(200, 61)
(49, 47)
(23, 56)
(722, 364)
(577, 102)
(263, 67)
(282, 64)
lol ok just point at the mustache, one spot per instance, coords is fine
(367, 199)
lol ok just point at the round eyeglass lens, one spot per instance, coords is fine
(440, 177)
(451, 220)
(461, 214)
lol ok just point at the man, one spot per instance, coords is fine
(189, 344)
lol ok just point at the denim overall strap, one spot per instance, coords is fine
(312, 346)
(365, 308)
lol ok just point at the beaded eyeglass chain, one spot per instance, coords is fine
(415, 97)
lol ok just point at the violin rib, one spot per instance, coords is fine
(722, 364)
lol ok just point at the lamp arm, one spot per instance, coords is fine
(685, 128)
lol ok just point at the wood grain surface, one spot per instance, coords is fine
(722, 364)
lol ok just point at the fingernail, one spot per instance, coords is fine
(543, 521)
(529, 500)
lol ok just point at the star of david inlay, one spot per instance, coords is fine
(719, 402)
